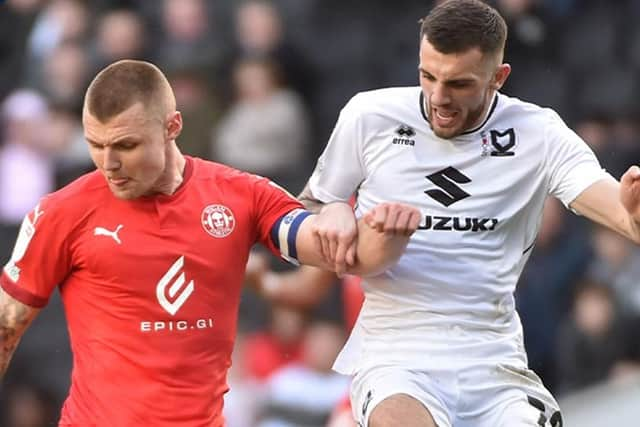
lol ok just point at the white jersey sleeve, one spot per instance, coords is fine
(340, 168)
(571, 164)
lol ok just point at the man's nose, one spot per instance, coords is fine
(111, 160)
(440, 95)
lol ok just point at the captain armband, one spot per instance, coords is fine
(284, 234)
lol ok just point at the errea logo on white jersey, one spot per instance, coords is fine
(405, 136)
(174, 280)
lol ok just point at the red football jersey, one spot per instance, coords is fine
(151, 289)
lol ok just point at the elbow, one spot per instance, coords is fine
(372, 269)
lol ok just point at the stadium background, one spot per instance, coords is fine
(260, 85)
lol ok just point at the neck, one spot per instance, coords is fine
(174, 173)
(485, 111)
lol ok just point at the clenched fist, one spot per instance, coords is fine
(393, 218)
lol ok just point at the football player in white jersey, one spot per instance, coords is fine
(438, 341)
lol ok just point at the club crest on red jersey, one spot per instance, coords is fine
(218, 220)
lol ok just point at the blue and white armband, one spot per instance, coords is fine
(284, 232)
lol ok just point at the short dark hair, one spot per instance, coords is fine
(456, 26)
(122, 84)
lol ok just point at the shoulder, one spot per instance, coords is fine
(517, 110)
(223, 176)
(88, 190)
(66, 208)
(384, 100)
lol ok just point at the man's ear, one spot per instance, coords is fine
(501, 75)
(174, 125)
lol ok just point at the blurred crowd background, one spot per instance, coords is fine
(260, 85)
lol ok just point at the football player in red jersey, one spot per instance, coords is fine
(149, 253)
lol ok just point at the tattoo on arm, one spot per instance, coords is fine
(15, 317)
(310, 203)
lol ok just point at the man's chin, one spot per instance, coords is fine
(121, 194)
(446, 133)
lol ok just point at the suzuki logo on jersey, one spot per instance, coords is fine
(174, 280)
(449, 192)
(405, 132)
(454, 223)
(503, 143)
(218, 220)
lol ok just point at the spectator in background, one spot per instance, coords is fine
(614, 139)
(189, 36)
(265, 352)
(16, 21)
(543, 294)
(59, 22)
(120, 34)
(530, 32)
(303, 394)
(27, 406)
(259, 31)
(199, 104)
(625, 148)
(617, 262)
(24, 153)
(591, 339)
(64, 133)
(265, 130)
(65, 75)
(244, 398)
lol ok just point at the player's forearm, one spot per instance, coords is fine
(634, 229)
(303, 287)
(377, 251)
(15, 317)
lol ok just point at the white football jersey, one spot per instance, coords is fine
(481, 196)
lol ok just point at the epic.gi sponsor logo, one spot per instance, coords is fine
(176, 291)
(449, 193)
(218, 220)
(172, 294)
(175, 325)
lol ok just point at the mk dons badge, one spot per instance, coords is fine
(218, 220)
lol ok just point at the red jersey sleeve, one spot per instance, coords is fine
(271, 202)
(41, 256)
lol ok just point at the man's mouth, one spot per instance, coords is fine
(118, 182)
(443, 118)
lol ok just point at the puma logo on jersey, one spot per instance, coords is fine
(37, 213)
(101, 231)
